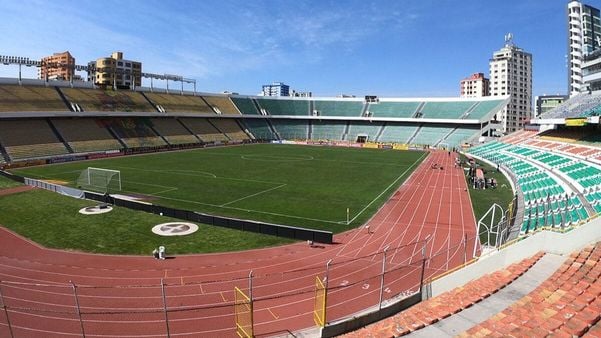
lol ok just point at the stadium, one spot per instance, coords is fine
(403, 235)
(132, 210)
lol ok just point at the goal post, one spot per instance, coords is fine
(99, 179)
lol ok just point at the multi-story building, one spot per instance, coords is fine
(591, 71)
(544, 103)
(584, 37)
(276, 89)
(511, 74)
(58, 66)
(475, 86)
(116, 72)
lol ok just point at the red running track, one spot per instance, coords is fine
(121, 296)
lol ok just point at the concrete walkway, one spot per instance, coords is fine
(496, 303)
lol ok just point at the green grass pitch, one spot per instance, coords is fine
(286, 184)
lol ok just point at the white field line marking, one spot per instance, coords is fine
(247, 210)
(253, 195)
(206, 174)
(387, 188)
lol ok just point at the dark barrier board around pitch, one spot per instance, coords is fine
(355, 323)
(279, 230)
(12, 177)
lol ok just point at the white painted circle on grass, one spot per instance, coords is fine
(174, 229)
(96, 210)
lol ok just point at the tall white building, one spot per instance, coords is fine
(584, 37)
(511, 74)
(276, 89)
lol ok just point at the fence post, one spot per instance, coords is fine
(83, 332)
(10, 328)
(165, 308)
(325, 294)
(382, 277)
(252, 305)
(464, 248)
(421, 278)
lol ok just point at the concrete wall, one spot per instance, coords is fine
(546, 241)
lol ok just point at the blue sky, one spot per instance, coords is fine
(402, 48)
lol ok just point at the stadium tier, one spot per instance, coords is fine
(173, 131)
(582, 105)
(179, 103)
(398, 132)
(230, 128)
(291, 129)
(203, 129)
(222, 105)
(284, 106)
(259, 128)
(134, 132)
(369, 129)
(446, 110)
(557, 190)
(394, 109)
(338, 108)
(107, 100)
(431, 134)
(328, 130)
(20, 142)
(30, 99)
(86, 135)
(245, 105)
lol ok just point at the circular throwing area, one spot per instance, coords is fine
(96, 210)
(174, 229)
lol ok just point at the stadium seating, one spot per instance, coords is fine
(444, 305)
(245, 105)
(180, 103)
(285, 106)
(259, 128)
(371, 129)
(547, 202)
(431, 134)
(135, 132)
(461, 135)
(291, 129)
(21, 143)
(230, 128)
(222, 104)
(85, 135)
(393, 109)
(108, 100)
(327, 130)
(204, 129)
(579, 106)
(338, 108)
(568, 304)
(30, 98)
(397, 132)
(173, 131)
(484, 108)
(446, 110)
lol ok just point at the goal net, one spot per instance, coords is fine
(101, 180)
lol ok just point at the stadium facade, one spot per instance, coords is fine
(584, 37)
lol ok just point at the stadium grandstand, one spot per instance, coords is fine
(125, 120)
(539, 275)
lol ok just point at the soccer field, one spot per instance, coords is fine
(287, 184)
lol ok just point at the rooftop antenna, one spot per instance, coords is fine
(508, 39)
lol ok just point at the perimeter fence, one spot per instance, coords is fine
(35, 298)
